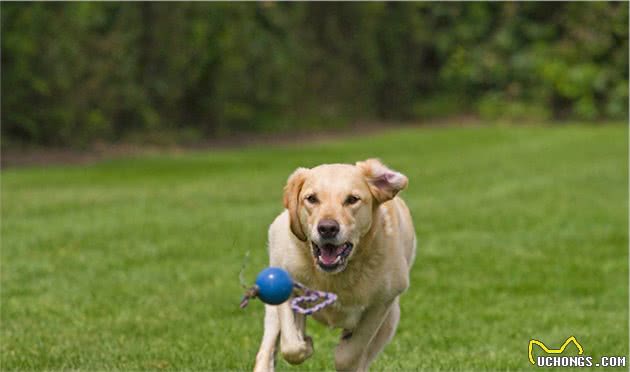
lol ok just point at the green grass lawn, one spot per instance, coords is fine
(133, 264)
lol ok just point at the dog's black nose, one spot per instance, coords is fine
(328, 228)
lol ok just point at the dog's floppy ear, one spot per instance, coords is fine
(384, 183)
(291, 200)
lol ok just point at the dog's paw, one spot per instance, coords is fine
(264, 363)
(297, 352)
(349, 358)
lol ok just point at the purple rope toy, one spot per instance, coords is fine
(311, 296)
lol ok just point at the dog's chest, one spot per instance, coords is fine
(340, 316)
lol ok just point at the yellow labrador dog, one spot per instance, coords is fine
(343, 231)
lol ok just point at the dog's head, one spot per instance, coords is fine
(332, 206)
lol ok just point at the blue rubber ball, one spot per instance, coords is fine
(274, 285)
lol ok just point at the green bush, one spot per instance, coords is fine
(74, 73)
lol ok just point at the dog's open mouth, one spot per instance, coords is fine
(329, 256)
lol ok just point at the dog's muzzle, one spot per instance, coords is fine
(330, 257)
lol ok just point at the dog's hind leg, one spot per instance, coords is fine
(383, 336)
(355, 352)
(265, 359)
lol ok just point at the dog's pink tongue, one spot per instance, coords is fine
(328, 254)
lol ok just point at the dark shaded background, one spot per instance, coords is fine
(77, 73)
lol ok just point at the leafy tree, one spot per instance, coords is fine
(75, 73)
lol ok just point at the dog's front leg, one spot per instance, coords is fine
(351, 352)
(265, 359)
(295, 346)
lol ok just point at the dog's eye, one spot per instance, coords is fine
(312, 199)
(351, 199)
